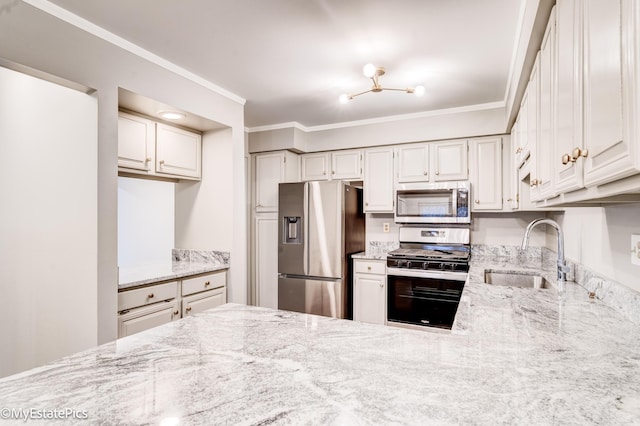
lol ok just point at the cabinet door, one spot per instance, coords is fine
(609, 154)
(369, 298)
(266, 260)
(178, 152)
(533, 117)
(141, 319)
(486, 174)
(203, 301)
(449, 161)
(543, 186)
(136, 142)
(315, 166)
(413, 163)
(568, 116)
(346, 164)
(378, 180)
(522, 146)
(269, 173)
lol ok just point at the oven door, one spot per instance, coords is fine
(423, 298)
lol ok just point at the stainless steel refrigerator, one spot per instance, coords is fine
(320, 225)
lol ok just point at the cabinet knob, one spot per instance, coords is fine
(258, 205)
(146, 160)
(535, 182)
(477, 201)
(566, 159)
(509, 200)
(150, 296)
(206, 283)
(381, 285)
(188, 309)
(425, 173)
(366, 204)
(519, 150)
(577, 153)
(162, 162)
(368, 268)
(437, 172)
(176, 312)
(333, 172)
(324, 173)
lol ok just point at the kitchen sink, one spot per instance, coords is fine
(524, 279)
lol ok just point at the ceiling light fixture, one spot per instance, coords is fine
(374, 73)
(171, 115)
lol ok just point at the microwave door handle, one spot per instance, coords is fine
(454, 203)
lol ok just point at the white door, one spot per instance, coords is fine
(449, 161)
(315, 166)
(136, 142)
(369, 298)
(346, 164)
(378, 180)
(266, 260)
(486, 174)
(413, 163)
(269, 173)
(178, 152)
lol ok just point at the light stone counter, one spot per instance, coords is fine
(184, 263)
(514, 356)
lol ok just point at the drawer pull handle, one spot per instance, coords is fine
(207, 283)
(188, 308)
(150, 296)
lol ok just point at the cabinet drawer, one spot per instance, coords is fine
(203, 301)
(205, 282)
(137, 320)
(370, 266)
(147, 295)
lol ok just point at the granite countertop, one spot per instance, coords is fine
(155, 272)
(183, 263)
(369, 256)
(514, 356)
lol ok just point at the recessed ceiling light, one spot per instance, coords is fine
(171, 115)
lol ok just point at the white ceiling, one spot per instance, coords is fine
(291, 59)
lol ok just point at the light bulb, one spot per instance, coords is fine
(419, 90)
(369, 70)
(344, 98)
(172, 115)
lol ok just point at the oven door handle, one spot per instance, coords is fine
(443, 275)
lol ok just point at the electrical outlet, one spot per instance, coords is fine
(385, 227)
(635, 249)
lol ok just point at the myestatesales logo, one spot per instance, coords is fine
(42, 414)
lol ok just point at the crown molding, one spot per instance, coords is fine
(386, 119)
(109, 37)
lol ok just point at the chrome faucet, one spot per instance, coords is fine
(562, 266)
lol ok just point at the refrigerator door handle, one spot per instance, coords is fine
(305, 225)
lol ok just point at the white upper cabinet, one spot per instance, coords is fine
(155, 149)
(486, 173)
(270, 170)
(136, 142)
(345, 165)
(542, 183)
(449, 161)
(413, 163)
(378, 181)
(610, 91)
(433, 162)
(315, 166)
(568, 117)
(178, 152)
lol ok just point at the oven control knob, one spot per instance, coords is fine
(401, 263)
(408, 264)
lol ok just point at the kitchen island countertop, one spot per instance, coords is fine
(514, 356)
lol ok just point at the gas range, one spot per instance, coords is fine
(434, 249)
(426, 276)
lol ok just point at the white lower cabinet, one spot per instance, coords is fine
(202, 301)
(146, 307)
(266, 260)
(143, 318)
(370, 291)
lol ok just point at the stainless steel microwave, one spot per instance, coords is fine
(442, 202)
